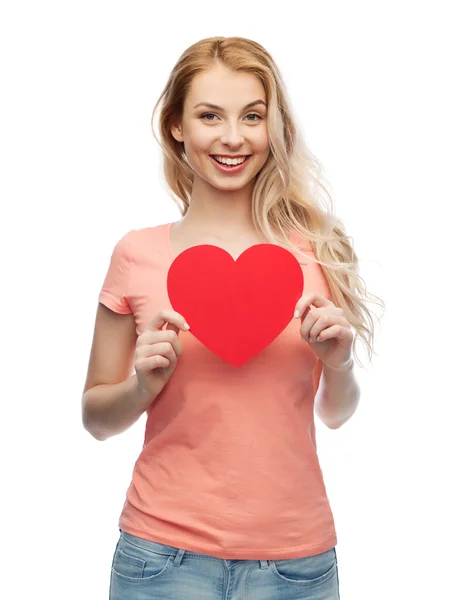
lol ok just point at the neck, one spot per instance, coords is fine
(215, 210)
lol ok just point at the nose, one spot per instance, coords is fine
(232, 137)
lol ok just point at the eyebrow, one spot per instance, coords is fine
(210, 105)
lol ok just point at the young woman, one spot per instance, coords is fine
(227, 497)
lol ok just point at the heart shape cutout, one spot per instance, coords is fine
(235, 308)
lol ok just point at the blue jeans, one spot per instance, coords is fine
(145, 570)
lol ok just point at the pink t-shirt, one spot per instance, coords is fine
(229, 466)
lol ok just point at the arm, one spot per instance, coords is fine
(337, 397)
(110, 409)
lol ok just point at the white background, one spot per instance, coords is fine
(383, 92)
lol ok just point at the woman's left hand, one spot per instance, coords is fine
(321, 319)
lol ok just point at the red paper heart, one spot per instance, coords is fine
(236, 309)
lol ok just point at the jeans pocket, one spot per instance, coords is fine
(310, 569)
(133, 562)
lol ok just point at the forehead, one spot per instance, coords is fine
(224, 87)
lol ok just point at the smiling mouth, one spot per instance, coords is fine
(222, 164)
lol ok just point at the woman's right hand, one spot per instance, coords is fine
(157, 351)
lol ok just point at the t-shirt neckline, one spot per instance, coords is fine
(168, 242)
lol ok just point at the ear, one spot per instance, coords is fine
(176, 131)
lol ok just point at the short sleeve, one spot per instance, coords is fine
(114, 290)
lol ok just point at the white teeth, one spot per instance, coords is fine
(230, 161)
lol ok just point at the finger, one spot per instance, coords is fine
(324, 324)
(336, 331)
(155, 361)
(170, 353)
(151, 339)
(311, 315)
(319, 318)
(172, 337)
(176, 343)
(166, 316)
(312, 298)
(164, 349)
(309, 319)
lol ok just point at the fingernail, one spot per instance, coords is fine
(186, 325)
(296, 314)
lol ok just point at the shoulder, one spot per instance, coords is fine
(148, 246)
(144, 238)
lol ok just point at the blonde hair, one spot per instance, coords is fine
(287, 196)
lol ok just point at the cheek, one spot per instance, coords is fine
(199, 139)
(261, 146)
(261, 142)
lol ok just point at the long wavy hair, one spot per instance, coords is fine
(289, 195)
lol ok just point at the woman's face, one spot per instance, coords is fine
(232, 129)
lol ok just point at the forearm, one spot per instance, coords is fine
(110, 409)
(337, 397)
